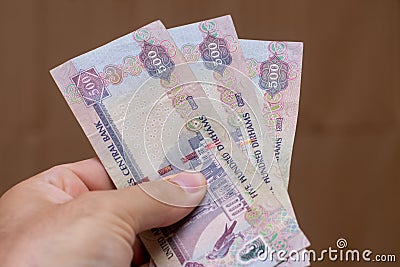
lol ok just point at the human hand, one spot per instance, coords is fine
(70, 216)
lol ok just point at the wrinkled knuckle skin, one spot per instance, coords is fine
(58, 171)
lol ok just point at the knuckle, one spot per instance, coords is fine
(58, 171)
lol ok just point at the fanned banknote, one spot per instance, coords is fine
(203, 44)
(146, 117)
(215, 56)
(280, 62)
(282, 108)
(276, 69)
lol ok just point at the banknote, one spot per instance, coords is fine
(223, 85)
(288, 263)
(147, 117)
(275, 67)
(212, 49)
(256, 52)
(195, 41)
(280, 108)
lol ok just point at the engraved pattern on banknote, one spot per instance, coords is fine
(267, 224)
(132, 65)
(169, 47)
(252, 250)
(72, 94)
(179, 95)
(224, 242)
(208, 27)
(90, 86)
(232, 43)
(115, 74)
(194, 125)
(156, 61)
(278, 48)
(228, 89)
(274, 75)
(252, 68)
(191, 52)
(215, 53)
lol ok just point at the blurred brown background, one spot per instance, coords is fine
(345, 176)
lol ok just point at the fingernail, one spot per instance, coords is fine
(190, 182)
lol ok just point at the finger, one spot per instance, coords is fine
(58, 185)
(158, 203)
(92, 173)
(63, 183)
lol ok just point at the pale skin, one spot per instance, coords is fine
(71, 215)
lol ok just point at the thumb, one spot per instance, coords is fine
(158, 203)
